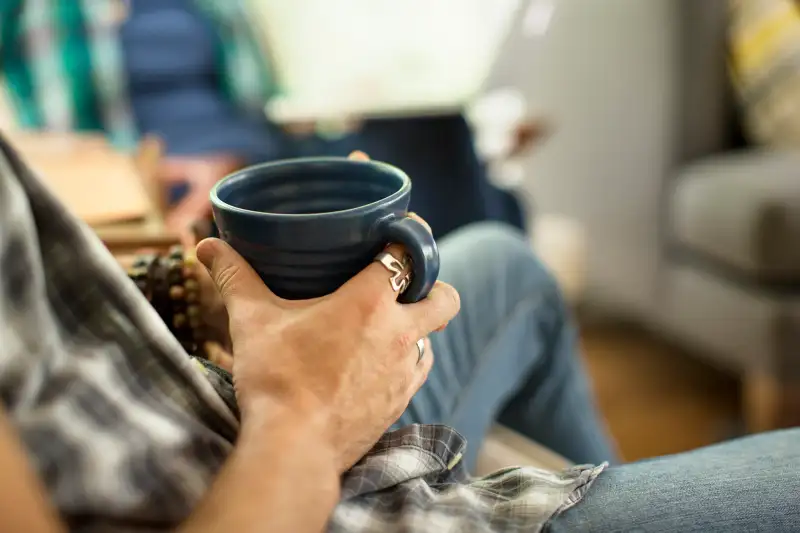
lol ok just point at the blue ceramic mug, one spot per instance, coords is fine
(309, 225)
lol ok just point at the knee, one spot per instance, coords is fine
(506, 255)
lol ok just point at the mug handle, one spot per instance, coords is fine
(422, 249)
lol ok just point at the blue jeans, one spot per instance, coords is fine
(511, 354)
(752, 485)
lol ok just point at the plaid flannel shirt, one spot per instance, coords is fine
(127, 432)
(63, 64)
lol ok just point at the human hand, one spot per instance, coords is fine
(201, 173)
(215, 316)
(348, 360)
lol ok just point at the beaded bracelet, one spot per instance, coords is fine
(171, 287)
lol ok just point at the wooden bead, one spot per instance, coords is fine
(177, 292)
(179, 320)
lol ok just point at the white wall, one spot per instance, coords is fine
(603, 75)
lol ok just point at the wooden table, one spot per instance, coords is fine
(116, 193)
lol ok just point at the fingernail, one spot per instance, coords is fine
(205, 252)
(359, 155)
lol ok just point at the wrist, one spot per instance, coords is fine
(305, 415)
(298, 426)
(263, 410)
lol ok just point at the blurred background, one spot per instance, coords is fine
(649, 150)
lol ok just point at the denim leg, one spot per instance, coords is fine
(752, 485)
(509, 353)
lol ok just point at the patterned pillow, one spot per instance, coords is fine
(765, 69)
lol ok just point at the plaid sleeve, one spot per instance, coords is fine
(120, 425)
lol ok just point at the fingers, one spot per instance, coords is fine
(233, 277)
(358, 155)
(435, 311)
(374, 283)
(419, 219)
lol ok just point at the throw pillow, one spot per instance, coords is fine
(765, 69)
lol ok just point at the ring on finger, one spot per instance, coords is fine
(421, 348)
(401, 274)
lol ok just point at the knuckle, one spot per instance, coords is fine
(370, 305)
(404, 341)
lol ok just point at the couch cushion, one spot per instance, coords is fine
(504, 447)
(743, 210)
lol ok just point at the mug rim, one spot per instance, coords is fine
(217, 202)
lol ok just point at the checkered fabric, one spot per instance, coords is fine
(127, 432)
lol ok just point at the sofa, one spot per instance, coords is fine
(690, 231)
(729, 282)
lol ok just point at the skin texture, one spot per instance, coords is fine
(305, 419)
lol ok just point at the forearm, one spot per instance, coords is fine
(280, 477)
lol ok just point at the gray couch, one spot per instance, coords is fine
(689, 231)
(729, 280)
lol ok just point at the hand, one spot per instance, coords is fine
(215, 316)
(347, 360)
(201, 173)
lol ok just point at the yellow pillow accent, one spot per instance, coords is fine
(756, 45)
(765, 68)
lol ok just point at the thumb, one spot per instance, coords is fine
(234, 278)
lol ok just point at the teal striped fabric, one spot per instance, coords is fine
(63, 67)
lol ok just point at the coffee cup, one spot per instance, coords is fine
(308, 225)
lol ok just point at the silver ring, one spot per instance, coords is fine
(421, 348)
(401, 274)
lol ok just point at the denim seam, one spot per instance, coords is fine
(533, 302)
(576, 494)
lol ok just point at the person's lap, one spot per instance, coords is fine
(752, 484)
(509, 354)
